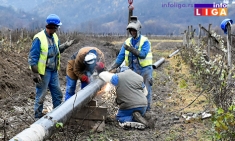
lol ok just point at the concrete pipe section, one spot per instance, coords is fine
(158, 63)
(46, 126)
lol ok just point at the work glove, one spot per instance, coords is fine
(69, 43)
(37, 78)
(65, 45)
(132, 49)
(113, 68)
(106, 76)
(85, 78)
(100, 67)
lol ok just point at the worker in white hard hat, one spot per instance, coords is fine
(81, 66)
(137, 54)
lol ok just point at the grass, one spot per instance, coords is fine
(183, 95)
(186, 90)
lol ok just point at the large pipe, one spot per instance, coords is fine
(158, 63)
(173, 53)
(46, 126)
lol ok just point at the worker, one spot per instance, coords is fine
(130, 96)
(44, 61)
(81, 66)
(136, 52)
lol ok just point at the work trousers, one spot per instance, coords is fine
(125, 115)
(49, 81)
(147, 74)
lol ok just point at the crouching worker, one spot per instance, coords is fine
(131, 97)
(81, 66)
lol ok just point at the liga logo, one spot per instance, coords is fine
(210, 9)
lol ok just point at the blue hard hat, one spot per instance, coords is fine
(224, 23)
(53, 19)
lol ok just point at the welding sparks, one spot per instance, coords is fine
(107, 87)
(107, 91)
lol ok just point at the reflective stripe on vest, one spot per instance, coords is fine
(143, 62)
(44, 51)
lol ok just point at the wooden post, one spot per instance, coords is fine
(187, 37)
(209, 41)
(192, 33)
(184, 38)
(10, 37)
(199, 35)
(22, 33)
(228, 27)
(191, 36)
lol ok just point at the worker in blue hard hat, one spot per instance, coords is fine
(137, 55)
(44, 61)
(224, 24)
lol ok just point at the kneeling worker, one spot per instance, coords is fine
(131, 97)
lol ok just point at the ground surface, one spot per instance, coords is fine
(169, 96)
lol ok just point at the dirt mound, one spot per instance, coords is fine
(14, 73)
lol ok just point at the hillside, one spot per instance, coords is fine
(99, 16)
(25, 5)
(111, 16)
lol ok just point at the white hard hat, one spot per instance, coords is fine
(90, 58)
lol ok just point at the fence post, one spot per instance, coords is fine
(10, 36)
(184, 38)
(199, 35)
(209, 41)
(191, 36)
(22, 33)
(228, 26)
(187, 37)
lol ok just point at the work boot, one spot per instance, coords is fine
(129, 125)
(148, 115)
(138, 117)
(151, 118)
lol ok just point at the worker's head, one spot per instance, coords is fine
(134, 27)
(90, 60)
(53, 23)
(53, 19)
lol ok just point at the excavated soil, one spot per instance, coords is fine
(17, 93)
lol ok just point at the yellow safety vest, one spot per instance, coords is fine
(143, 62)
(44, 51)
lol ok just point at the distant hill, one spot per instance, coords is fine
(25, 5)
(157, 17)
(13, 19)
